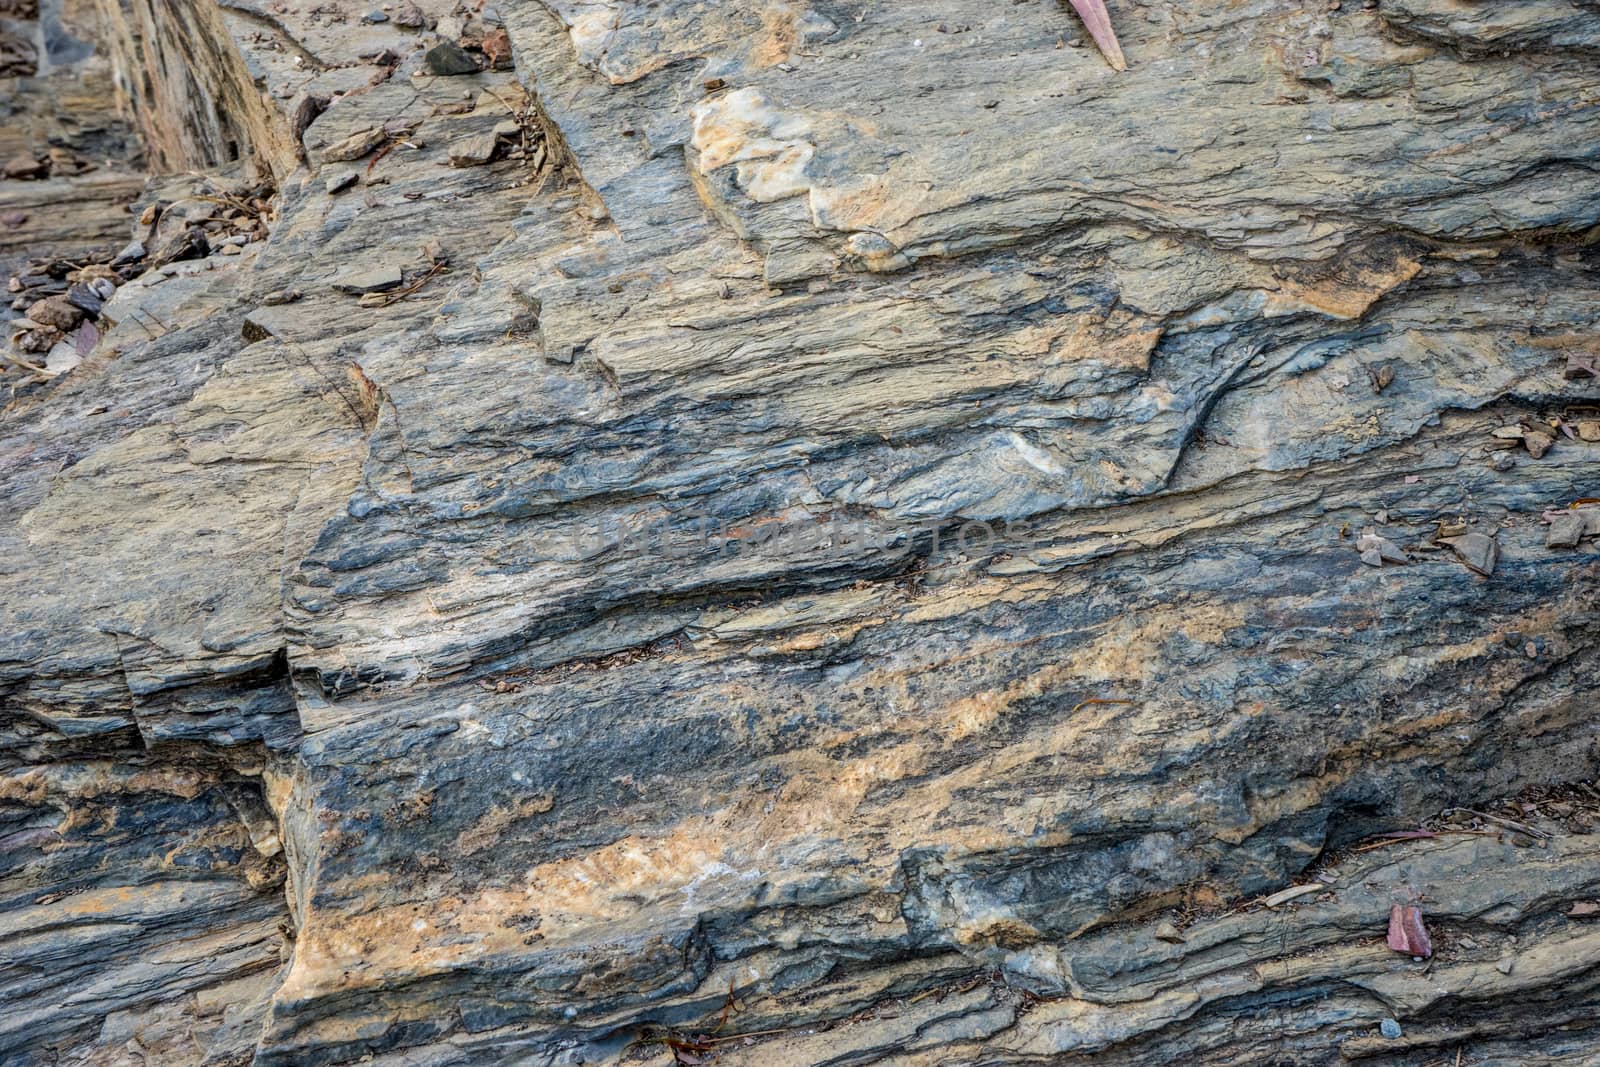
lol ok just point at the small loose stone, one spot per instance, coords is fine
(447, 59)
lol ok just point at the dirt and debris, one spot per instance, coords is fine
(56, 163)
(59, 302)
(1537, 436)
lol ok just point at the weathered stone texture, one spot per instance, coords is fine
(859, 506)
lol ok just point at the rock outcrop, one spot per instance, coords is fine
(792, 533)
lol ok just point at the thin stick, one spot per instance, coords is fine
(438, 268)
(24, 364)
(1509, 824)
(1095, 700)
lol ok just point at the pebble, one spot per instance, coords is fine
(473, 151)
(1376, 551)
(1537, 443)
(1468, 943)
(447, 58)
(1566, 530)
(281, 296)
(134, 251)
(1478, 551)
(26, 168)
(374, 17)
(62, 358)
(1504, 965)
(85, 298)
(35, 341)
(355, 146)
(190, 243)
(1390, 1029)
(1502, 461)
(1168, 932)
(340, 182)
(231, 250)
(56, 311)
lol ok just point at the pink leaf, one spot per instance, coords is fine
(1406, 932)
(1098, 21)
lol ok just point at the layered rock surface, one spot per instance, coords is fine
(866, 508)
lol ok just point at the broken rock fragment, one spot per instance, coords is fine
(1569, 527)
(190, 243)
(1407, 933)
(1565, 531)
(1537, 443)
(57, 312)
(26, 168)
(447, 59)
(355, 146)
(1479, 552)
(473, 151)
(497, 47)
(1581, 366)
(1376, 551)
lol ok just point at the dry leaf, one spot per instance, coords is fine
(1098, 22)
(1406, 932)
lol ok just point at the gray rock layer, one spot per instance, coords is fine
(861, 523)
